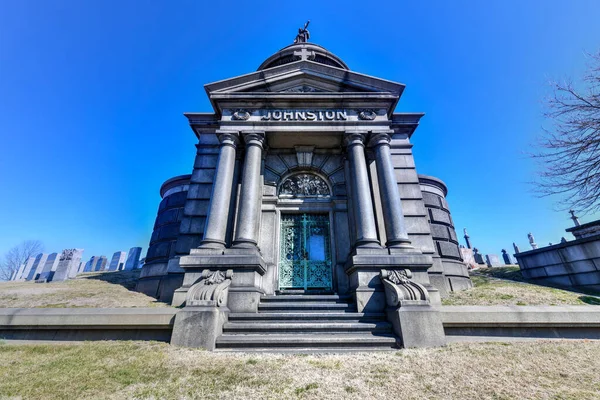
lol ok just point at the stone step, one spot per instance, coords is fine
(281, 316)
(305, 298)
(306, 341)
(269, 328)
(304, 306)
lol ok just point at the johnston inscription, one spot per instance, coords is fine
(304, 115)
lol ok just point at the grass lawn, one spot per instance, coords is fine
(146, 370)
(95, 289)
(506, 286)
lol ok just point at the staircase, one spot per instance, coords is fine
(306, 322)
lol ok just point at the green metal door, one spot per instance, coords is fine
(305, 256)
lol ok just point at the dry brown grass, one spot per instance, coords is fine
(107, 290)
(505, 286)
(111, 370)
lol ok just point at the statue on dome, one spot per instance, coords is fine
(303, 34)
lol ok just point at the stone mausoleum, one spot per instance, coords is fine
(304, 215)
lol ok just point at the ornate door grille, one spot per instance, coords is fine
(305, 257)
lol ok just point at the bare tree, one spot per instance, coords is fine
(18, 255)
(569, 156)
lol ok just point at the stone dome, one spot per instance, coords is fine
(303, 51)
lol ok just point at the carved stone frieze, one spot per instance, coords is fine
(240, 115)
(302, 185)
(399, 287)
(368, 115)
(211, 290)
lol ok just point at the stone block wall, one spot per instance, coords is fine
(163, 242)
(572, 264)
(455, 271)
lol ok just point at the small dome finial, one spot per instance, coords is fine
(303, 34)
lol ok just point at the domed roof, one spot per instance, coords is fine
(303, 51)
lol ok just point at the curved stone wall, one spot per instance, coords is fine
(164, 236)
(444, 236)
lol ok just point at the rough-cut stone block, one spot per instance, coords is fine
(197, 207)
(417, 225)
(431, 199)
(447, 249)
(409, 191)
(168, 231)
(203, 176)
(440, 232)
(333, 163)
(200, 191)
(206, 161)
(440, 216)
(197, 225)
(187, 242)
(586, 278)
(406, 175)
(276, 164)
(422, 242)
(403, 161)
(166, 217)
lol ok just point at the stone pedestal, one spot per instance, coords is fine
(417, 325)
(199, 326)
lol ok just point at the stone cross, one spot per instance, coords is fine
(506, 257)
(574, 218)
(305, 54)
(517, 251)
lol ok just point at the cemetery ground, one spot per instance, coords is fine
(94, 289)
(558, 369)
(506, 286)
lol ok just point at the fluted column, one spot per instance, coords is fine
(364, 217)
(218, 211)
(248, 217)
(395, 228)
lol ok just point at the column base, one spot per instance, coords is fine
(248, 268)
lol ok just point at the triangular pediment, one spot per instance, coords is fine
(304, 77)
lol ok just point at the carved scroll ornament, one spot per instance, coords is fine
(211, 290)
(302, 185)
(399, 287)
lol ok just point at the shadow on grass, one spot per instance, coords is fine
(127, 279)
(595, 301)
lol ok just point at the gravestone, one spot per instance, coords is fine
(467, 256)
(133, 258)
(38, 266)
(492, 260)
(67, 265)
(117, 261)
(507, 258)
(101, 264)
(26, 269)
(49, 267)
(478, 257)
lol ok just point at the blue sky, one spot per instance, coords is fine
(92, 95)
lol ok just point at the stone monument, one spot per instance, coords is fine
(49, 268)
(478, 257)
(117, 261)
(133, 258)
(68, 263)
(492, 260)
(532, 241)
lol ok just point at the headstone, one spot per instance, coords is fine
(117, 261)
(142, 262)
(14, 275)
(101, 263)
(517, 251)
(467, 256)
(507, 258)
(467, 238)
(81, 267)
(478, 257)
(133, 258)
(49, 267)
(38, 266)
(67, 265)
(532, 241)
(492, 260)
(26, 271)
(20, 271)
(563, 240)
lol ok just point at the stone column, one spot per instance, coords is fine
(395, 228)
(364, 217)
(246, 232)
(218, 212)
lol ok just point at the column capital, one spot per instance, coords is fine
(254, 138)
(353, 138)
(228, 138)
(378, 138)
